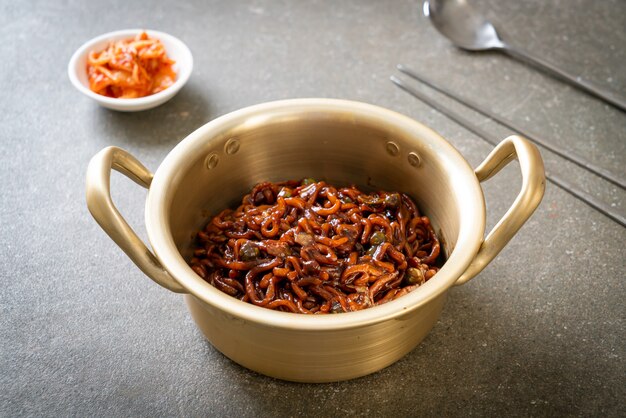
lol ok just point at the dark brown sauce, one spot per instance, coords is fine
(308, 247)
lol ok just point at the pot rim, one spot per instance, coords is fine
(471, 225)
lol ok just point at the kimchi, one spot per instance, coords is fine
(130, 68)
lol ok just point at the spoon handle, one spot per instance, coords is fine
(526, 57)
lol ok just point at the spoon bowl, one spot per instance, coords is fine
(470, 30)
(460, 23)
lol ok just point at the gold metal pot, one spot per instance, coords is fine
(343, 143)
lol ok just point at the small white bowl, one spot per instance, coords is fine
(175, 49)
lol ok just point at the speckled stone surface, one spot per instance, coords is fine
(83, 333)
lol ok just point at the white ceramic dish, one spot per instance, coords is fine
(175, 48)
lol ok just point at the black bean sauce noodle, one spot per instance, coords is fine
(308, 247)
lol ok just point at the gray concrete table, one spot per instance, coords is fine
(83, 333)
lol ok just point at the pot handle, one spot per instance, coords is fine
(106, 214)
(533, 186)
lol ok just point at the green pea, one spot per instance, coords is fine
(377, 238)
(308, 180)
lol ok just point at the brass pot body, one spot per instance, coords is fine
(342, 143)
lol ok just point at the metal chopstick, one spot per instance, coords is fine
(568, 155)
(491, 139)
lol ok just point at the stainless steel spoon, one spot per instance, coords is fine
(469, 30)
